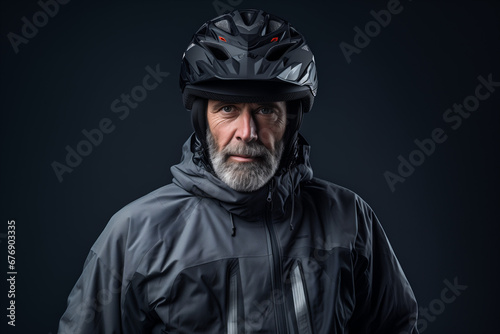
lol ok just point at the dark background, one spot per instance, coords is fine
(442, 221)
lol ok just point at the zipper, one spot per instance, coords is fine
(300, 300)
(232, 317)
(276, 269)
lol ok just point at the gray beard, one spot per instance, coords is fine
(244, 176)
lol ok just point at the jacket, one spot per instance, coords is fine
(301, 255)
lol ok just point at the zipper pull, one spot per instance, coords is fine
(270, 193)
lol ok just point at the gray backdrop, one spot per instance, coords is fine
(63, 74)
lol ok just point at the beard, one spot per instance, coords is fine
(244, 176)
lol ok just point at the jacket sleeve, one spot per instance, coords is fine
(385, 303)
(94, 302)
(102, 299)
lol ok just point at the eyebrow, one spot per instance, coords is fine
(219, 104)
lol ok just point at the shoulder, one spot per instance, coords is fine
(153, 206)
(346, 213)
(141, 224)
(325, 190)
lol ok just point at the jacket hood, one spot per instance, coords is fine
(196, 177)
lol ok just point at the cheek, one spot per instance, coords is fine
(269, 136)
(221, 136)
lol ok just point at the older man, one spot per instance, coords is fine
(245, 239)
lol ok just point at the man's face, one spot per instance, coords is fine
(245, 141)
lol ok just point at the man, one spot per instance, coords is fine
(245, 239)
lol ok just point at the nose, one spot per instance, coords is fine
(247, 128)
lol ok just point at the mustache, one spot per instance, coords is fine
(252, 149)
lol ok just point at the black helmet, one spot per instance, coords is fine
(248, 56)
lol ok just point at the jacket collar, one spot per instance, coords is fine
(194, 175)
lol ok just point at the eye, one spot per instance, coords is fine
(266, 111)
(227, 109)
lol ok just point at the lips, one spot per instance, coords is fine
(243, 158)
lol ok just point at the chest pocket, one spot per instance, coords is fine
(329, 287)
(207, 299)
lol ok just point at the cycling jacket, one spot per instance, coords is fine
(301, 255)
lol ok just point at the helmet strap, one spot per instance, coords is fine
(294, 120)
(199, 120)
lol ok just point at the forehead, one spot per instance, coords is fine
(215, 104)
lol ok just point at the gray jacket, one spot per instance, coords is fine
(301, 255)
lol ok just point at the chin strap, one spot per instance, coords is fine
(293, 200)
(199, 119)
(294, 120)
(200, 125)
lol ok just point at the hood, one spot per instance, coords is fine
(196, 177)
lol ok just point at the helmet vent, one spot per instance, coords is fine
(223, 25)
(218, 52)
(202, 30)
(276, 52)
(248, 17)
(273, 25)
(294, 33)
